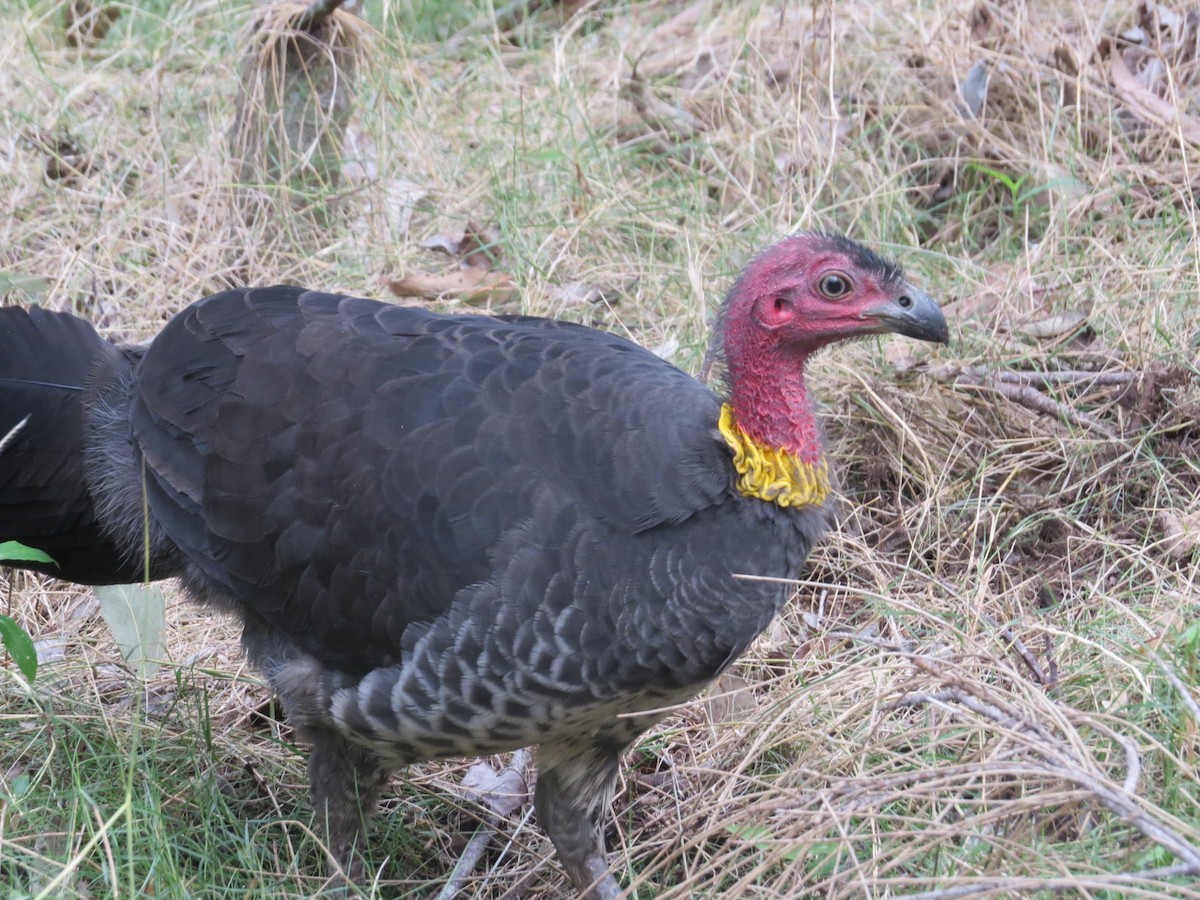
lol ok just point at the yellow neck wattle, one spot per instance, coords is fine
(772, 473)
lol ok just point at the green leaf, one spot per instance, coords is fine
(136, 616)
(752, 833)
(11, 551)
(1189, 640)
(19, 646)
(764, 839)
(20, 785)
(33, 287)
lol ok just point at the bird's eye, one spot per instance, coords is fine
(834, 285)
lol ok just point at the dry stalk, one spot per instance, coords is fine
(1023, 652)
(1067, 376)
(1061, 760)
(1031, 398)
(1072, 884)
(1185, 694)
(673, 122)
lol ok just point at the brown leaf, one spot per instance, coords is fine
(1147, 104)
(87, 24)
(729, 699)
(570, 293)
(480, 247)
(471, 285)
(502, 792)
(1181, 532)
(1058, 325)
(1065, 60)
(447, 243)
(476, 245)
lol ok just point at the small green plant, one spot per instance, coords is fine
(18, 644)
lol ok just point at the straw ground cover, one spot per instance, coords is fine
(987, 681)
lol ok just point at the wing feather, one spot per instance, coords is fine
(346, 468)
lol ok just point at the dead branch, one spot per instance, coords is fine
(1046, 379)
(1022, 651)
(1031, 398)
(939, 698)
(483, 837)
(1061, 760)
(673, 122)
(1021, 387)
(1051, 665)
(1133, 762)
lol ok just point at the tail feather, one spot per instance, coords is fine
(47, 362)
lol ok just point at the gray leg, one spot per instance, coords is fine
(573, 797)
(346, 780)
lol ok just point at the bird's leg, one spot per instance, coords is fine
(346, 780)
(572, 799)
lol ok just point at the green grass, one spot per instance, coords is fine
(92, 809)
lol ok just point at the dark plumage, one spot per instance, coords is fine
(445, 535)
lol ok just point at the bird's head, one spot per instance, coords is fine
(795, 297)
(810, 290)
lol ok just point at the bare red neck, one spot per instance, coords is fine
(767, 392)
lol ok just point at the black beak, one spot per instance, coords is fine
(912, 313)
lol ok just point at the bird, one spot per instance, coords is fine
(450, 535)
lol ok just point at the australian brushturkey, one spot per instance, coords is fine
(449, 535)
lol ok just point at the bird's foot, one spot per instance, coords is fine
(604, 885)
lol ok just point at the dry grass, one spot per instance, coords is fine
(988, 683)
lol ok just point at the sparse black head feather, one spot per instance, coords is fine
(888, 272)
(884, 268)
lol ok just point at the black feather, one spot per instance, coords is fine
(47, 361)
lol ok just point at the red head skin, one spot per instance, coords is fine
(778, 313)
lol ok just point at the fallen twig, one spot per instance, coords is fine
(1022, 651)
(673, 122)
(1051, 665)
(483, 836)
(1046, 379)
(1133, 761)
(1059, 758)
(1031, 398)
(1021, 386)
